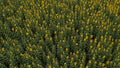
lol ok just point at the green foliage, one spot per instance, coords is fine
(59, 34)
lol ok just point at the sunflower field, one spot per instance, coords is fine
(59, 33)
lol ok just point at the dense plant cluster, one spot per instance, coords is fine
(59, 33)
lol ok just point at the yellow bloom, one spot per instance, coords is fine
(48, 57)
(90, 61)
(12, 29)
(91, 46)
(33, 63)
(93, 58)
(46, 35)
(3, 49)
(61, 32)
(49, 66)
(77, 52)
(67, 57)
(72, 59)
(105, 40)
(98, 44)
(85, 39)
(101, 37)
(103, 64)
(50, 38)
(76, 43)
(81, 65)
(66, 49)
(30, 49)
(65, 63)
(95, 62)
(57, 26)
(21, 7)
(61, 67)
(81, 35)
(32, 0)
(87, 66)
(60, 46)
(40, 47)
(28, 25)
(55, 32)
(27, 33)
(103, 56)
(91, 41)
(21, 54)
(75, 63)
(95, 40)
(99, 49)
(63, 40)
(77, 30)
(91, 36)
(100, 63)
